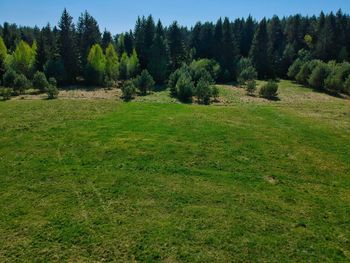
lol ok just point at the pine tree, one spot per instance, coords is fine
(133, 64)
(140, 44)
(67, 46)
(276, 46)
(218, 37)
(259, 50)
(123, 67)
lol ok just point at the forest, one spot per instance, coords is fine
(313, 51)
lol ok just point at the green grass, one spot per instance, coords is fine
(246, 180)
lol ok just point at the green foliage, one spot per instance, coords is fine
(209, 65)
(184, 87)
(112, 63)
(335, 82)
(9, 78)
(251, 87)
(54, 68)
(3, 55)
(52, 91)
(269, 90)
(144, 82)
(23, 59)
(347, 85)
(133, 65)
(96, 66)
(318, 76)
(215, 92)
(129, 90)
(21, 83)
(294, 69)
(40, 82)
(159, 61)
(246, 71)
(303, 76)
(123, 67)
(5, 93)
(203, 91)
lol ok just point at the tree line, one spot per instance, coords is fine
(239, 50)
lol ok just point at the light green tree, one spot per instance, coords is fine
(112, 63)
(96, 66)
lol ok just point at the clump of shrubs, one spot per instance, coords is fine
(40, 82)
(21, 83)
(185, 83)
(330, 77)
(246, 71)
(269, 90)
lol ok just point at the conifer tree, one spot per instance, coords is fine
(176, 46)
(67, 46)
(96, 66)
(259, 51)
(3, 55)
(112, 63)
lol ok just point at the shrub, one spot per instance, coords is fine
(184, 87)
(40, 82)
(294, 69)
(55, 68)
(21, 83)
(9, 78)
(144, 82)
(5, 93)
(246, 71)
(269, 90)
(52, 91)
(174, 77)
(251, 87)
(202, 74)
(211, 66)
(347, 85)
(215, 93)
(303, 76)
(128, 90)
(203, 91)
(318, 76)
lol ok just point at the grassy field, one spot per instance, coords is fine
(243, 180)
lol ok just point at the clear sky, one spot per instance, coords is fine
(120, 15)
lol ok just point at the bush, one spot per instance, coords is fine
(174, 77)
(55, 68)
(347, 85)
(128, 90)
(211, 66)
(269, 90)
(251, 87)
(202, 74)
(144, 82)
(40, 82)
(5, 93)
(246, 71)
(318, 76)
(52, 91)
(335, 82)
(294, 69)
(21, 83)
(303, 76)
(203, 91)
(9, 78)
(215, 93)
(184, 88)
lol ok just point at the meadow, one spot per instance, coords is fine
(153, 180)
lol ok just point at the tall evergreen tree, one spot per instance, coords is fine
(159, 62)
(276, 46)
(129, 42)
(106, 39)
(230, 53)
(218, 37)
(176, 46)
(259, 50)
(247, 36)
(88, 34)
(112, 63)
(3, 55)
(67, 46)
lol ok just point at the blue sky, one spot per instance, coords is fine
(120, 15)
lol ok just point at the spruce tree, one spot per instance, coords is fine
(259, 51)
(176, 46)
(67, 46)
(106, 39)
